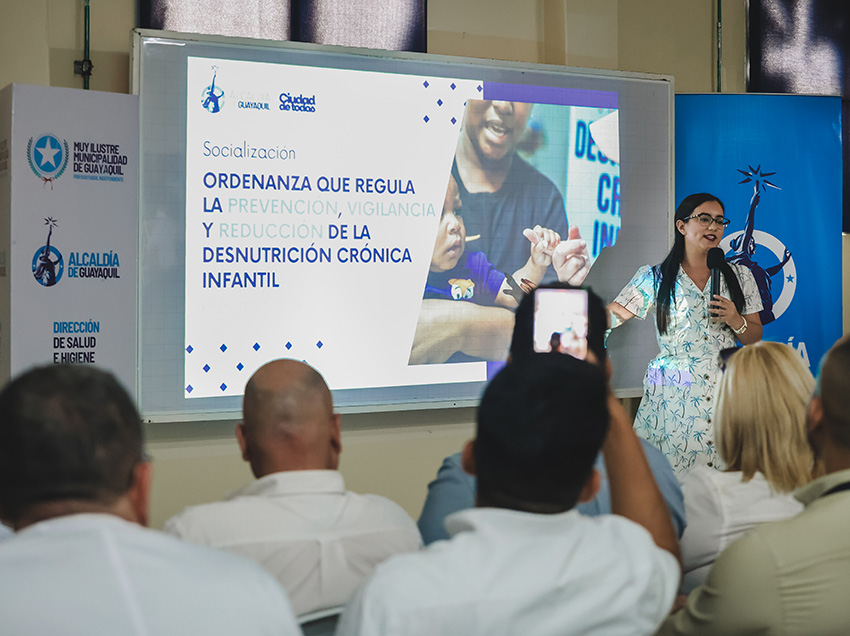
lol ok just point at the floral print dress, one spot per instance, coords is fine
(675, 413)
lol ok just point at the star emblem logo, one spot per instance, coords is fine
(47, 148)
(48, 157)
(47, 154)
(756, 174)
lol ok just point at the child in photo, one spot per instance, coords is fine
(469, 276)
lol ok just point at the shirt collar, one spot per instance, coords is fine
(811, 491)
(74, 522)
(294, 482)
(509, 521)
(683, 279)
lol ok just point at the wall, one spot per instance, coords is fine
(24, 43)
(40, 39)
(671, 37)
(394, 454)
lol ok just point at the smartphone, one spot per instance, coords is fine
(560, 321)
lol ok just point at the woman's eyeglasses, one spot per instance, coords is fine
(706, 220)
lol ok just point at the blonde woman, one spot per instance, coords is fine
(761, 436)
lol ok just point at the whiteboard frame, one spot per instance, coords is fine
(626, 385)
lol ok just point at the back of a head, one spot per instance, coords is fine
(287, 411)
(761, 414)
(66, 433)
(522, 340)
(541, 423)
(834, 391)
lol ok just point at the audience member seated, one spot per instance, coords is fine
(74, 484)
(524, 561)
(298, 520)
(790, 577)
(760, 421)
(454, 489)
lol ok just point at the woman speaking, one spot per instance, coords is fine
(692, 328)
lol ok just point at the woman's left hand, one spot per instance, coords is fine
(724, 311)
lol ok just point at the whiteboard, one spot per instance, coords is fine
(166, 66)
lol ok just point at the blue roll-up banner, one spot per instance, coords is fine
(775, 162)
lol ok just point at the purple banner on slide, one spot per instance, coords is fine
(493, 368)
(550, 95)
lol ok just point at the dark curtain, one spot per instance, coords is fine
(802, 46)
(396, 25)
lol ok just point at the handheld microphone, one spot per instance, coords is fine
(715, 260)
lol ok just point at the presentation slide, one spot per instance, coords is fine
(352, 219)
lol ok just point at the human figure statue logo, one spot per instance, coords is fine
(212, 97)
(744, 244)
(45, 270)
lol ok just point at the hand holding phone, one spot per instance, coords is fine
(560, 321)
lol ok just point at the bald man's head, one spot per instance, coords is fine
(288, 420)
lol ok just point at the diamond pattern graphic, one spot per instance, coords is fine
(454, 100)
(447, 96)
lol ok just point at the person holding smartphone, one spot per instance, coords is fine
(560, 321)
(676, 411)
(454, 489)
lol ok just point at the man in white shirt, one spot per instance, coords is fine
(74, 485)
(524, 561)
(297, 520)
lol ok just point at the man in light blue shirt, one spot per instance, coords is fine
(454, 489)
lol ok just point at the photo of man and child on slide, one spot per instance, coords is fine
(503, 229)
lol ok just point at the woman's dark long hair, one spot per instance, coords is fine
(666, 272)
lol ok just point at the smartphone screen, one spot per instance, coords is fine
(560, 321)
